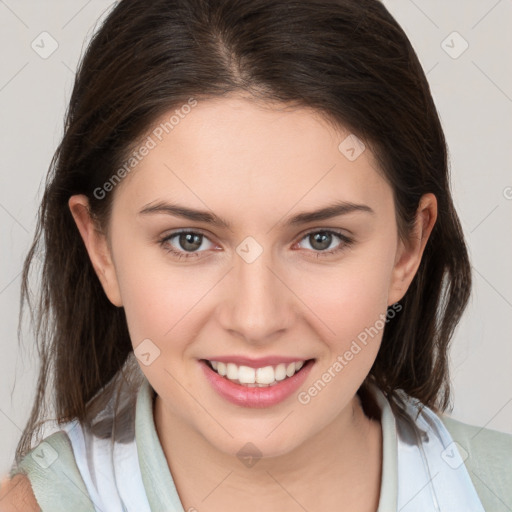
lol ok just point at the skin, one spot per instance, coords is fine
(16, 495)
(256, 165)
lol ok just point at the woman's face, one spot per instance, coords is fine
(262, 285)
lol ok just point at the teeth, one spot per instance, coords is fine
(221, 368)
(232, 371)
(264, 375)
(246, 375)
(256, 377)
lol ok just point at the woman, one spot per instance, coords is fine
(254, 268)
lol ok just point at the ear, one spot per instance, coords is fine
(410, 252)
(97, 247)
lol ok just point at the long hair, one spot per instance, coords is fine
(348, 60)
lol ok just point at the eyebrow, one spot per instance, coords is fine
(333, 210)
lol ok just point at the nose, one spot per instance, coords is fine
(259, 305)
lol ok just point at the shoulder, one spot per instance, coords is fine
(53, 475)
(16, 494)
(487, 455)
(492, 446)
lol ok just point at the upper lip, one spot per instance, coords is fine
(260, 362)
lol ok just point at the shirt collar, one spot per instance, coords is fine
(158, 482)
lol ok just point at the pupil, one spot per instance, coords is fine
(187, 244)
(323, 238)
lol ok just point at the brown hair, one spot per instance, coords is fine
(347, 59)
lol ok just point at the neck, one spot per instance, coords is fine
(342, 461)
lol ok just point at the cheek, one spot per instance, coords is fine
(158, 306)
(351, 295)
(155, 295)
(351, 301)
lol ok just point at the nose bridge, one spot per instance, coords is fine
(259, 304)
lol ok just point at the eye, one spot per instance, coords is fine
(321, 240)
(188, 243)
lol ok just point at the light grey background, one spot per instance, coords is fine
(473, 93)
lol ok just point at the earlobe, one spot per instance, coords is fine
(97, 247)
(409, 253)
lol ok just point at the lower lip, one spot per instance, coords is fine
(256, 397)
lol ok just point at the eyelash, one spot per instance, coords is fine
(345, 243)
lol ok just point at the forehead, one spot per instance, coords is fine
(237, 151)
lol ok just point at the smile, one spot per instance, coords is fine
(256, 377)
(256, 387)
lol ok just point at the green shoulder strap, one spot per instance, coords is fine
(487, 455)
(54, 476)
